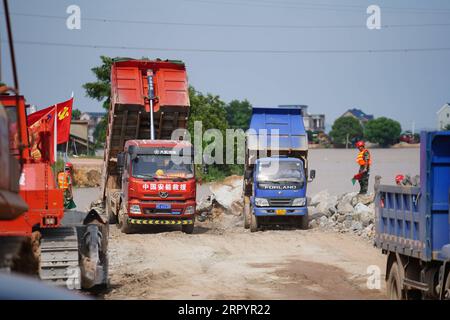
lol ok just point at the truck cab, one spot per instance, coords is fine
(280, 187)
(158, 184)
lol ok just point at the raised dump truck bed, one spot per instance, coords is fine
(129, 115)
(276, 165)
(413, 225)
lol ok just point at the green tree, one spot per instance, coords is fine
(383, 131)
(76, 114)
(100, 90)
(211, 111)
(239, 114)
(346, 129)
(208, 109)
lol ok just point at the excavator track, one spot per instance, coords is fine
(60, 261)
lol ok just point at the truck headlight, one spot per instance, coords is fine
(189, 210)
(261, 202)
(299, 202)
(135, 209)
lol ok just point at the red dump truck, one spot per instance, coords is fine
(148, 175)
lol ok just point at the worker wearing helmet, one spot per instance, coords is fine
(365, 161)
(65, 182)
(399, 179)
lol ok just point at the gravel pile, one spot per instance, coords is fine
(349, 212)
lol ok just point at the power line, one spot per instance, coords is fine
(322, 7)
(225, 25)
(334, 5)
(255, 51)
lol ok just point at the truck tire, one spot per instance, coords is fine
(112, 218)
(247, 213)
(447, 287)
(394, 283)
(254, 225)
(187, 228)
(303, 223)
(123, 224)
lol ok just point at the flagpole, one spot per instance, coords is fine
(66, 157)
(55, 138)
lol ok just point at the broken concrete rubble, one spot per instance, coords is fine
(349, 212)
(224, 199)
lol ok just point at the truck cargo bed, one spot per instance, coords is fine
(129, 114)
(415, 221)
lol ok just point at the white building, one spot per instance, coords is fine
(93, 119)
(443, 116)
(312, 122)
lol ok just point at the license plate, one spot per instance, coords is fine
(280, 212)
(163, 206)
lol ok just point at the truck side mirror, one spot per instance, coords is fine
(312, 175)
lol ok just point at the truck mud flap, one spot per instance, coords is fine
(160, 222)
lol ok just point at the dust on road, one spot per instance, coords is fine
(231, 263)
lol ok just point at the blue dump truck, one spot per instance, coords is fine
(276, 168)
(413, 226)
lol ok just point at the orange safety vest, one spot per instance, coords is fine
(360, 158)
(63, 180)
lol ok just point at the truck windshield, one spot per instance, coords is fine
(161, 166)
(286, 171)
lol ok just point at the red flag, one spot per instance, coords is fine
(64, 117)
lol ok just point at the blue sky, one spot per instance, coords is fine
(407, 86)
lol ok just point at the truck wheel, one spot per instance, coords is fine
(395, 291)
(187, 228)
(447, 288)
(247, 213)
(112, 219)
(254, 225)
(304, 222)
(123, 224)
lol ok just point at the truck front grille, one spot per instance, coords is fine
(280, 202)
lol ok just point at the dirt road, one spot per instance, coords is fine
(221, 260)
(230, 263)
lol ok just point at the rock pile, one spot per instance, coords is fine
(224, 202)
(349, 212)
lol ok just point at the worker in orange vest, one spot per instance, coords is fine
(365, 161)
(65, 181)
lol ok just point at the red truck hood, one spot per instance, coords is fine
(163, 189)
